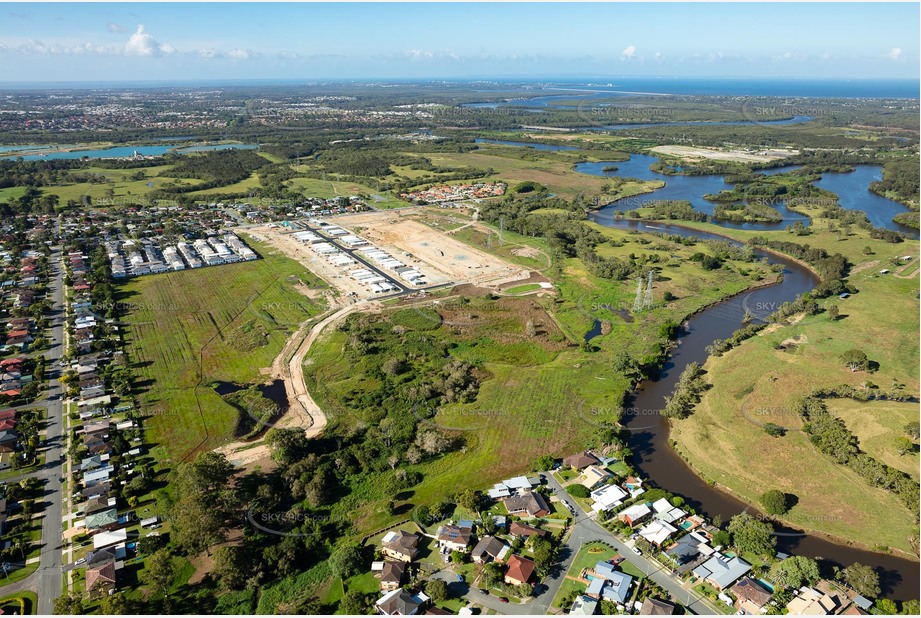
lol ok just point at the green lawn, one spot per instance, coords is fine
(15, 603)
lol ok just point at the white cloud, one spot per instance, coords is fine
(418, 54)
(895, 54)
(658, 55)
(141, 43)
(116, 28)
(629, 52)
(239, 54)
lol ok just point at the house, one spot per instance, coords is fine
(529, 504)
(102, 519)
(812, 602)
(400, 545)
(8, 441)
(664, 511)
(583, 606)
(391, 574)
(101, 578)
(454, 538)
(657, 532)
(634, 514)
(853, 610)
(520, 529)
(688, 550)
(721, 572)
(607, 498)
(655, 607)
(519, 571)
(489, 549)
(580, 461)
(400, 603)
(106, 539)
(516, 485)
(606, 582)
(751, 597)
(593, 476)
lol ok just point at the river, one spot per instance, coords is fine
(656, 460)
(111, 153)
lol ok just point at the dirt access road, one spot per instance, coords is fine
(302, 410)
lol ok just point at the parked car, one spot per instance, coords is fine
(80, 561)
(636, 550)
(460, 577)
(503, 600)
(616, 560)
(484, 590)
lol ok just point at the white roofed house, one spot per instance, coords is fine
(664, 511)
(657, 532)
(607, 498)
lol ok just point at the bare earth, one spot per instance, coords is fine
(689, 152)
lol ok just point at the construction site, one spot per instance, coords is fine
(385, 253)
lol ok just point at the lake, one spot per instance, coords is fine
(117, 151)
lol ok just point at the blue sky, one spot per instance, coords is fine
(177, 41)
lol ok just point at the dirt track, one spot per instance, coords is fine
(302, 410)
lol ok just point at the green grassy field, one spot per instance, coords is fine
(876, 424)
(507, 427)
(192, 328)
(720, 438)
(551, 169)
(335, 188)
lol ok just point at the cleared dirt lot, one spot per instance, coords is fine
(398, 232)
(689, 152)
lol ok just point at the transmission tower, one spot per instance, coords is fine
(647, 302)
(501, 229)
(638, 301)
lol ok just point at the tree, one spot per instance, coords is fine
(159, 572)
(354, 603)
(913, 429)
(578, 491)
(544, 462)
(437, 590)
(774, 430)
(69, 604)
(458, 557)
(833, 312)
(885, 607)
(774, 502)
(911, 608)
(492, 572)
(542, 550)
(904, 445)
(721, 538)
(794, 572)
(468, 499)
(861, 578)
(230, 568)
(114, 605)
(751, 535)
(855, 360)
(346, 561)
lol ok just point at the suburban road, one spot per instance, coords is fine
(47, 581)
(584, 530)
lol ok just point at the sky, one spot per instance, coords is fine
(184, 41)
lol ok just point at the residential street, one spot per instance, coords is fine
(584, 530)
(47, 580)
